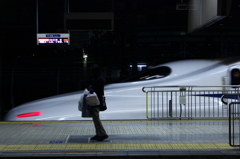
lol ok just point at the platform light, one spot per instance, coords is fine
(139, 67)
(85, 56)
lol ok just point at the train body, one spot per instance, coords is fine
(126, 100)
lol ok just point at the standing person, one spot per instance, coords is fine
(98, 88)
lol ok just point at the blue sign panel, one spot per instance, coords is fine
(56, 142)
(53, 35)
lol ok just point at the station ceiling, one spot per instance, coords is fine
(151, 24)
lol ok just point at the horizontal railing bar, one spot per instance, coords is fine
(186, 86)
(186, 91)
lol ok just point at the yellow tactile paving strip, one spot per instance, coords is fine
(111, 147)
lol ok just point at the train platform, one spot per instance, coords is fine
(127, 139)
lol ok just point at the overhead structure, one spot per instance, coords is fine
(103, 21)
(203, 13)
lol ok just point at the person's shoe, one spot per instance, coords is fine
(101, 138)
(94, 137)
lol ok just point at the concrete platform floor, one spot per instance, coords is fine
(137, 138)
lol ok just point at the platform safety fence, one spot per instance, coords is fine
(188, 102)
(196, 102)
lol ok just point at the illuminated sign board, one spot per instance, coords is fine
(53, 39)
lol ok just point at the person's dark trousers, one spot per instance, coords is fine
(100, 131)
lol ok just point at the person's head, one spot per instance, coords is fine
(95, 70)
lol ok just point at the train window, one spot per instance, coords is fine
(235, 76)
(156, 73)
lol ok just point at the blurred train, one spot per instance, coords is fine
(126, 100)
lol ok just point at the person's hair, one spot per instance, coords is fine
(95, 69)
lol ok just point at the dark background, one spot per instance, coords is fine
(146, 32)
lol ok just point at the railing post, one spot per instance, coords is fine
(182, 99)
(147, 104)
(231, 126)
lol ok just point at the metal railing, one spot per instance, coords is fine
(188, 102)
(234, 120)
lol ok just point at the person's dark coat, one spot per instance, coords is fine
(98, 83)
